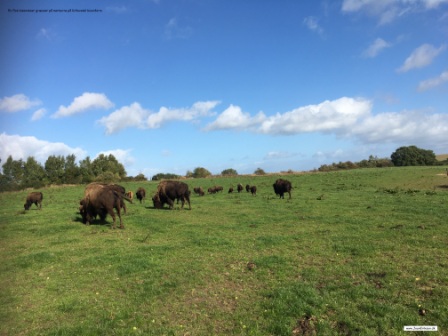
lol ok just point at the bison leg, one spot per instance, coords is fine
(170, 202)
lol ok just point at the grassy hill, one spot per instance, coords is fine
(353, 252)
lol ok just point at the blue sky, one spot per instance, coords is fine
(171, 85)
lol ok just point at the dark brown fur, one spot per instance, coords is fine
(168, 191)
(101, 201)
(141, 194)
(35, 197)
(282, 186)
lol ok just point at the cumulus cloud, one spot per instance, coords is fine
(127, 116)
(375, 48)
(421, 57)
(433, 82)
(329, 116)
(344, 117)
(234, 118)
(403, 127)
(199, 109)
(135, 115)
(87, 101)
(21, 147)
(18, 102)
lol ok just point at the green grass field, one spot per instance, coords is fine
(362, 252)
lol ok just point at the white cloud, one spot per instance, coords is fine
(433, 82)
(122, 155)
(375, 48)
(22, 147)
(403, 127)
(87, 101)
(344, 117)
(38, 114)
(421, 57)
(18, 102)
(329, 116)
(313, 24)
(234, 118)
(199, 109)
(135, 115)
(128, 116)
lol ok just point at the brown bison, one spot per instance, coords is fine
(35, 197)
(282, 186)
(199, 191)
(100, 201)
(140, 194)
(121, 191)
(230, 190)
(215, 189)
(240, 187)
(247, 187)
(168, 191)
(253, 190)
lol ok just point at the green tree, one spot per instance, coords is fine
(229, 172)
(55, 169)
(85, 170)
(108, 177)
(72, 171)
(413, 156)
(107, 163)
(13, 171)
(34, 174)
(200, 172)
(259, 171)
(140, 177)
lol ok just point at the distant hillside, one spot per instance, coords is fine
(442, 157)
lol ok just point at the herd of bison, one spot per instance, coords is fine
(101, 199)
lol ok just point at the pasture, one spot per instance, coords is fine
(362, 252)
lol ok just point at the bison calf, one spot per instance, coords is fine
(35, 197)
(141, 194)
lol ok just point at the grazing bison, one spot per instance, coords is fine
(35, 197)
(247, 187)
(240, 187)
(199, 191)
(168, 191)
(281, 186)
(101, 201)
(140, 194)
(121, 191)
(253, 190)
(230, 190)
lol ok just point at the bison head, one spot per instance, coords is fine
(157, 202)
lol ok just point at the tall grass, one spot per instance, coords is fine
(353, 252)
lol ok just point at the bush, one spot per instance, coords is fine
(413, 156)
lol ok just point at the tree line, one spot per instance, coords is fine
(403, 156)
(20, 174)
